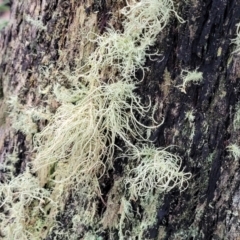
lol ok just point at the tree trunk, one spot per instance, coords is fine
(47, 37)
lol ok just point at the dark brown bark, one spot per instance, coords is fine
(210, 207)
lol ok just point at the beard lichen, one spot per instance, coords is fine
(98, 108)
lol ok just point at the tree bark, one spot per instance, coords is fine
(209, 208)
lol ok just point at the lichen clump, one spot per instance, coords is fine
(194, 77)
(98, 109)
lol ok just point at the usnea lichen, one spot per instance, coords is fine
(84, 129)
(236, 120)
(234, 150)
(236, 41)
(156, 169)
(98, 106)
(17, 197)
(194, 77)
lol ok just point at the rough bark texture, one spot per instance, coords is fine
(210, 207)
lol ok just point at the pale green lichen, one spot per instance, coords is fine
(194, 77)
(89, 128)
(126, 213)
(98, 106)
(93, 114)
(25, 119)
(35, 22)
(234, 150)
(17, 195)
(236, 41)
(236, 120)
(156, 169)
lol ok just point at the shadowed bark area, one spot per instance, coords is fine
(199, 122)
(208, 209)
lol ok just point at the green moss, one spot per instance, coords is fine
(3, 8)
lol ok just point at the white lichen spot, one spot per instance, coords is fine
(236, 121)
(194, 77)
(234, 150)
(35, 22)
(236, 40)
